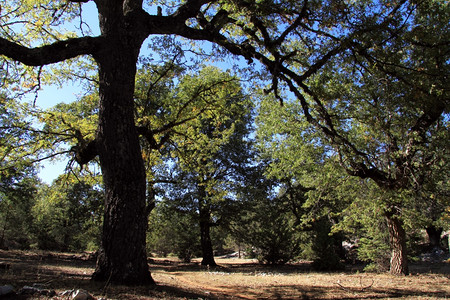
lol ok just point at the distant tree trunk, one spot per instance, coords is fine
(205, 230)
(397, 235)
(434, 236)
(122, 258)
(66, 236)
(207, 249)
(2, 238)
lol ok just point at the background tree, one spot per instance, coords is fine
(384, 120)
(67, 215)
(17, 197)
(211, 151)
(316, 209)
(363, 222)
(432, 200)
(18, 180)
(174, 231)
(267, 228)
(311, 184)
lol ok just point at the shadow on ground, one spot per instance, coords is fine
(61, 272)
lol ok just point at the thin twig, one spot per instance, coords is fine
(361, 289)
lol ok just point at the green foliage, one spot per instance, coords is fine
(20, 140)
(326, 247)
(67, 215)
(316, 211)
(69, 127)
(205, 117)
(373, 245)
(17, 197)
(263, 223)
(173, 232)
(160, 234)
(18, 182)
(313, 186)
(363, 221)
(270, 232)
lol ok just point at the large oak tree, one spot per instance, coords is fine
(124, 26)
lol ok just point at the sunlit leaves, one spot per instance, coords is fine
(77, 119)
(33, 24)
(68, 214)
(17, 134)
(223, 106)
(30, 135)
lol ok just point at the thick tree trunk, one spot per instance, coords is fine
(399, 255)
(122, 258)
(205, 238)
(205, 230)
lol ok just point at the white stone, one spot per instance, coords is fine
(81, 295)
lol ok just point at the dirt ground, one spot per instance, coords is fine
(232, 279)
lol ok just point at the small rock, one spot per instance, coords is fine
(81, 295)
(31, 290)
(6, 290)
(40, 286)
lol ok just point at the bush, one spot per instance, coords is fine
(326, 247)
(172, 231)
(67, 216)
(269, 232)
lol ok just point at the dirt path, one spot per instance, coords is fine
(206, 288)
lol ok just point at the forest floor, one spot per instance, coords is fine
(232, 279)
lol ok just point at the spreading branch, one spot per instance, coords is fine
(85, 153)
(53, 53)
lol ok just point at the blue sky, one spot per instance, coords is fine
(47, 97)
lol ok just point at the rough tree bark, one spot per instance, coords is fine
(205, 239)
(205, 229)
(122, 257)
(399, 255)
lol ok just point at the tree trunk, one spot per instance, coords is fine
(397, 235)
(205, 230)
(207, 249)
(122, 258)
(434, 236)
